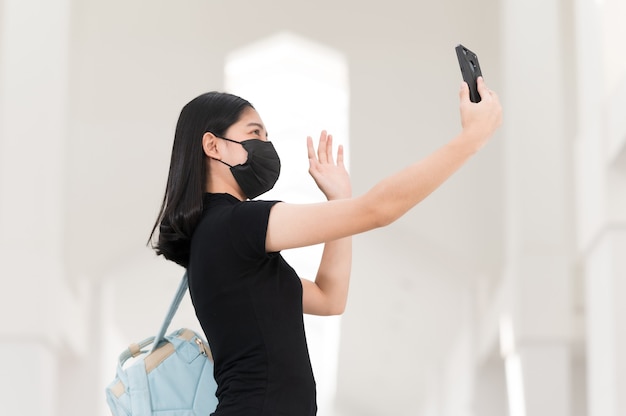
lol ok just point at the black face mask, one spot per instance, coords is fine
(261, 170)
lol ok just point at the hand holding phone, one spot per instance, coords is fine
(470, 70)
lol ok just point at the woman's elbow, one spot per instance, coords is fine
(336, 309)
(379, 213)
(382, 216)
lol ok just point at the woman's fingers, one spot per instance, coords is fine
(324, 150)
(310, 148)
(482, 88)
(340, 156)
(321, 148)
(480, 120)
(329, 150)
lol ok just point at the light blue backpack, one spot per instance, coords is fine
(173, 378)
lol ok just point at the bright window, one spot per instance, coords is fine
(299, 88)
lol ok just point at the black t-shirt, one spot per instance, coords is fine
(249, 304)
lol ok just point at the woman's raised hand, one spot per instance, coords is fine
(480, 120)
(332, 178)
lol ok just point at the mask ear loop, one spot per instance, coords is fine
(223, 138)
(219, 160)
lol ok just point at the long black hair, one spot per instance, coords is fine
(182, 203)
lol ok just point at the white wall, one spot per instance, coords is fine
(107, 92)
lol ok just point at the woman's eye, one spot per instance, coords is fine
(257, 133)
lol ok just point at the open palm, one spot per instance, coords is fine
(332, 178)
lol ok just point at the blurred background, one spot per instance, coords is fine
(501, 294)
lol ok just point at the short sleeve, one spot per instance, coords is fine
(248, 227)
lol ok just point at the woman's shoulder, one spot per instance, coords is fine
(239, 224)
(224, 206)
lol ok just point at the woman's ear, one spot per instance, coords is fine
(209, 146)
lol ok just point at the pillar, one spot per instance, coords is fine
(539, 216)
(605, 273)
(601, 182)
(34, 47)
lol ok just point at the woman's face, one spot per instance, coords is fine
(249, 126)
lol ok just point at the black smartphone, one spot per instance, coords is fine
(470, 69)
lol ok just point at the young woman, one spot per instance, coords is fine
(248, 300)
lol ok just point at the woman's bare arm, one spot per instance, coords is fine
(328, 294)
(292, 225)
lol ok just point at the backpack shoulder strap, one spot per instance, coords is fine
(180, 293)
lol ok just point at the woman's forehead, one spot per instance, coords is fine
(250, 115)
(251, 118)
